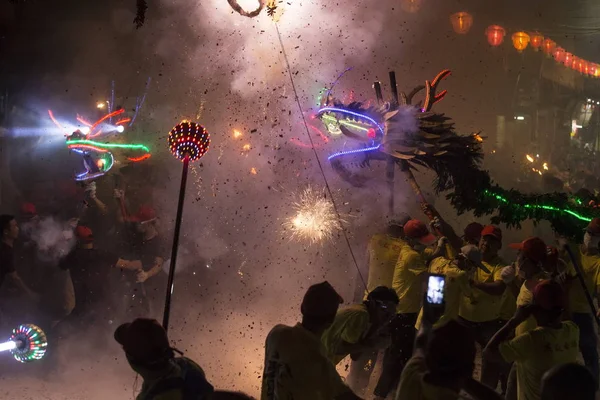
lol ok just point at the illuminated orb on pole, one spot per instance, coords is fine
(520, 41)
(495, 35)
(188, 141)
(461, 22)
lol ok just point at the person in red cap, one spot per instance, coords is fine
(550, 344)
(296, 366)
(165, 376)
(148, 246)
(587, 256)
(533, 255)
(90, 271)
(410, 266)
(480, 308)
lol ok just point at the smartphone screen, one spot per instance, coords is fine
(435, 289)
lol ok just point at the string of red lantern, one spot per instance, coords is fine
(521, 40)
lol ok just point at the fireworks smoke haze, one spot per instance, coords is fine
(258, 229)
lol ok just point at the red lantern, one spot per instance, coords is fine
(461, 22)
(559, 54)
(568, 59)
(574, 63)
(548, 47)
(495, 35)
(536, 41)
(583, 67)
(593, 69)
(520, 41)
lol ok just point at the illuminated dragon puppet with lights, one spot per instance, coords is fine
(99, 155)
(407, 136)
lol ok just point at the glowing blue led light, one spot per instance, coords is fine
(355, 114)
(343, 153)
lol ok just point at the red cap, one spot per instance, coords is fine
(28, 209)
(84, 233)
(492, 230)
(144, 214)
(549, 295)
(594, 226)
(533, 248)
(416, 229)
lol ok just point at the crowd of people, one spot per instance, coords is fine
(532, 319)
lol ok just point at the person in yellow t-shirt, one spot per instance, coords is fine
(407, 283)
(442, 365)
(361, 329)
(383, 251)
(587, 256)
(550, 344)
(458, 272)
(529, 266)
(525, 274)
(479, 309)
(296, 366)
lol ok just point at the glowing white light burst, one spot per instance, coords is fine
(314, 219)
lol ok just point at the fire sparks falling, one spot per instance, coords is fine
(529, 158)
(314, 218)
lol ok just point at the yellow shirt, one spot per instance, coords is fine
(525, 298)
(457, 283)
(508, 305)
(589, 267)
(383, 253)
(296, 367)
(479, 306)
(351, 324)
(538, 351)
(407, 280)
(412, 386)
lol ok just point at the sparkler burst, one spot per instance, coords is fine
(314, 218)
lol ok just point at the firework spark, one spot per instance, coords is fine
(314, 218)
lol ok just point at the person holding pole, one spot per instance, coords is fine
(587, 257)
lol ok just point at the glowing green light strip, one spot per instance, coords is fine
(543, 207)
(110, 145)
(342, 122)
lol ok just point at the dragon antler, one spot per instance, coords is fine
(431, 98)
